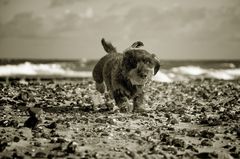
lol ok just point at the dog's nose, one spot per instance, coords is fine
(142, 75)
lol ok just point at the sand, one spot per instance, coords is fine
(62, 119)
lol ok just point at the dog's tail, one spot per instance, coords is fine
(108, 47)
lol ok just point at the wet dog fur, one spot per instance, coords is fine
(125, 74)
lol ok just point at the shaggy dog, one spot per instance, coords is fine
(125, 74)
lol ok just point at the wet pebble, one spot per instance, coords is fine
(37, 144)
(206, 142)
(170, 149)
(205, 155)
(193, 133)
(207, 134)
(53, 125)
(192, 148)
(71, 148)
(3, 145)
(186, 119)
(16, 139)
(40, 155)
(131, 154)
(60, 140)
(174, 121)
(178, 142)
(238, 132)
(9, 123)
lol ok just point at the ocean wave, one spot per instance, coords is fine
(30, 69)
(182, 73)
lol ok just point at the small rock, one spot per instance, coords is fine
(71, 148)
(60, 140)
(164, 137)
(38, 144)
(40, 155)
(27, 153)
(104, 134)
(3, 145)
(227, 146)
(206, 142)
(233, 149)
(178, 142)
(207, 134)
(186, 119)
(235, 154)
(15, 155)
(174, 121)
(193, 133)
(170, 149)
(131, 154)
(192, 148)
(205, 155)
(238, 132)
(214, 121)
(138, 131)
(16, 139)
(53, 125)
(8, 123)
(24, 95)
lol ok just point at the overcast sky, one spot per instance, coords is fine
(72, 29)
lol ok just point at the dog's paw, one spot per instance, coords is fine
(140, 109)
(125, 107)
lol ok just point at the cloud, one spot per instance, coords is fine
(32, 25)
(221, 24)
(23, 25)
(4, 2)
(129, 21)
(199, 24)
(60, 3)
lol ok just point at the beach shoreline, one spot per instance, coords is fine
(187, 119)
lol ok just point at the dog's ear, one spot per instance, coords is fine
(108, 47)
(157, 64)
(137, 44)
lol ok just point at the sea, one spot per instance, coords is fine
(170, 71)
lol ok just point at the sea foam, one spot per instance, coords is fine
(182, 73)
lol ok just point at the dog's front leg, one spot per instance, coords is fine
(122, 101)
(138, 103)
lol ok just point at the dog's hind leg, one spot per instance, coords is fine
(98, 74)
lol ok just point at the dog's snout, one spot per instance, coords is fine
(142, 74)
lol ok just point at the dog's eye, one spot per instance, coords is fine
(148, 62)
(145, 61)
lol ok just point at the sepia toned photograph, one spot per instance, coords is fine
(120, 79)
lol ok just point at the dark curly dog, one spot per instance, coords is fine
(125, 74)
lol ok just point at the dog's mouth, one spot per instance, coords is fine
(137, 79)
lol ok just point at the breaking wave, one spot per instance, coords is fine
(193, 72)
(30, 69)
(181, 73)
